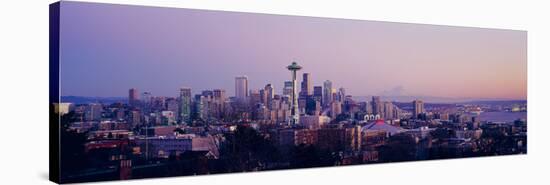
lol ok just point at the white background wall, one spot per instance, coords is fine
(24, 91)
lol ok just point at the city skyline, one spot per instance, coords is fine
(193, 92)
(365, 57)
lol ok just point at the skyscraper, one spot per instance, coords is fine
(133, 97)
(241, 87)
(335, 109)
(219, 95)
(93, 112)
(388, 110)
(185, 105)
(327, 93)
(377, 106)
(269, 91)
(418, 108)
(287, 89)
(294, 114)
(318, 93)
(208, 93)
(263, 97)
(172, 104)
(255, 98)
(341, 94)
(307, 86)
(219, 102)
(200, 110)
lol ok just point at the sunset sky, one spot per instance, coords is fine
(107, 49)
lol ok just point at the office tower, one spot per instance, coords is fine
(333, 94)
(307, 86)
(172, 105)
(318, 93)
(349, 106)
(388, 110)
(185, 105)
(302, 105)
(335, 109)
(377, 106)
(317, 108)
(93, 112)
(368, 107)
(255, 97)
(201, 107)
(418, 108)
(133, 97)
(241, 88)
(207, 93)
(219, 102)
(263, 97)
(287, 89)
(219, 95)
(341, 94)
(295, 115)
(327, 93)
(145, 102)
(269, 93)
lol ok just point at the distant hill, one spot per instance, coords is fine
(432, 99)
(86, 100)
(502, 102)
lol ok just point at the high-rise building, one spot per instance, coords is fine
(133, 97)
(201, 109)
(135, 117)
(317, 108)
(241, 88)
(185, 105)
(93, 112)
(255, 97)
(269, 93)
(219, 95)
(219, 102)
(335, 109)
(146, 98)
(172, 104)
(341, 94)
(388, 110)
(377, 106)
(208, 93)
(314, 121)
(327, 93)
(418, 108)
(263, 96)
(333, 94)
(294, 113)
(318, 93)
(307, 85)
(287, 89)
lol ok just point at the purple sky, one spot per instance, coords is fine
(107, 49)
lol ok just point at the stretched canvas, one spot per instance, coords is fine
(140, 92)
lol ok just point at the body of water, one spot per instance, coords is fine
(502, 116)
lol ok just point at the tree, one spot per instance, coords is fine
(441, 133)
(179, 131)
(399, 147)
(246, 149)
(72, 150)
(340, 117)
(305, 156)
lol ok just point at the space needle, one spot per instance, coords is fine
(294, 114)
